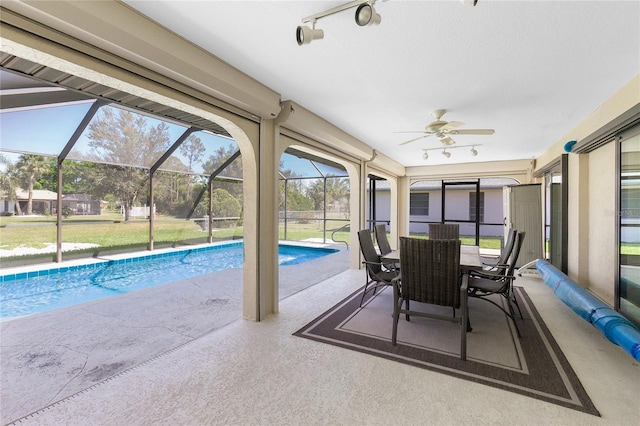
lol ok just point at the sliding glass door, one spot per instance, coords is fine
(556, 213)
(629, 226)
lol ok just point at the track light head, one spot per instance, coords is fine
(305, 35)
(367, 15)
(446, 153)
(473, 151)
(425, 155)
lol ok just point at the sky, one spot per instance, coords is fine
(47, 130)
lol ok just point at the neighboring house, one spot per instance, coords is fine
(43, 201)
(81, 204)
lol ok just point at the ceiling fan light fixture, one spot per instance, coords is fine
(305, 35)
(367, 15)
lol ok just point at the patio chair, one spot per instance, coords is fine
(501, 263)
(484, 284)
(383, 242)
(444, 231)
(378, 273)
(381, 238)
(431, 274)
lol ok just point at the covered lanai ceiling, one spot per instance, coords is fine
(531, 70)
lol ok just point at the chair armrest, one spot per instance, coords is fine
(465, 282)
(481, 273)
(489, 275)
(389, 265)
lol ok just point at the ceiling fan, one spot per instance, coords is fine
(443, 129)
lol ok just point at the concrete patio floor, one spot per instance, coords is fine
(48, 356)
(249, 373)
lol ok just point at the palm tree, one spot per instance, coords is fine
(7, 181)
(28, 169)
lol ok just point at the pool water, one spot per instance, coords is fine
(25, 294)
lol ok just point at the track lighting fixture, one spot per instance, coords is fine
(305, 35)
(446, 151)
(365, 15)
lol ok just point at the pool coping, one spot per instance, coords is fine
(46, 269)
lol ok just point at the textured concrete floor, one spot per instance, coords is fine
(248, 373)
(49, 356)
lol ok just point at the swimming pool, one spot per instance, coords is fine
(41, 291)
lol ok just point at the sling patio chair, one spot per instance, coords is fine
(431, 274)
(378, 273)
(381, 238)
(444, 231)
(484, 284)
(501, 263)
(383, 242)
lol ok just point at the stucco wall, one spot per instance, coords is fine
(602, 222)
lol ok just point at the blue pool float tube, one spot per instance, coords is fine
(614, 326)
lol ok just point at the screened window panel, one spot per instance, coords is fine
(419, 204)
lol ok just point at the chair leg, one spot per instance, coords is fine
(464, 323)
(396, 315)
(513, 297)
(394, 332)
(407, 315)
(512, 316)
(364, 292)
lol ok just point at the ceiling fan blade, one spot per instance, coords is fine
(415, 139)
(414, 131)
(472, 132)
(446, 140)
(451, 125)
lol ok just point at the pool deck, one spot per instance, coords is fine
(49, 356)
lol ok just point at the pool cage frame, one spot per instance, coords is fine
(85, 91)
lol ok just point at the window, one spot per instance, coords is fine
(419, 204)
(472, 206)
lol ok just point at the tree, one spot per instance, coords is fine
(192, 149)
(316, 193)
(296, 199)
(27, 169)
(7, 181)
(125, 139)
(233, 170)
(74, 177)
(337, 190)
(219, 157)
(225, 204)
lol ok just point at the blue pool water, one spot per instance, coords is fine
(41, 291)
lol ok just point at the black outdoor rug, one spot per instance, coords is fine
(533, 365)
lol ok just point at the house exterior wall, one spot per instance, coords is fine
(458, 203)
(603, 253)
(592, 253)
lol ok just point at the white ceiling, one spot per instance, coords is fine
(531, 70)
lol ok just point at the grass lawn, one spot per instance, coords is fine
(110, 233)
(106, 231)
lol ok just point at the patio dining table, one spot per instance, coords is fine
(469, 257)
